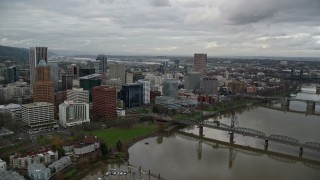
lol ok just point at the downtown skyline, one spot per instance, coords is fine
(165, 27)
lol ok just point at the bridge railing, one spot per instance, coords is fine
(283, 139)
(312, 145)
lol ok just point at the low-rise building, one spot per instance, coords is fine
(89, 145)
(121, 112)
(37, 171)
(60, 164)
(3, 165)
(5, 132)
(11, 109)
(251, 90)
(14, 90)
(44, 155)
(10, 175)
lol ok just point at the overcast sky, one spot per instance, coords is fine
(165, 27)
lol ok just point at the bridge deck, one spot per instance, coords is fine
(218, 144)
(248, 132)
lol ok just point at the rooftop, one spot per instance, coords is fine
(90, 139)
(91, 76)
(35, 104)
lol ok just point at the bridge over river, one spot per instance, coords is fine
(243, 149)
(243, 131)
(285, 102)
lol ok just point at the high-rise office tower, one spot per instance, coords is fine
(43, 89)
(104, 101)
(200, 63)
(67, 82)
(132, 95)
(192, 81)
(35, 55)
(54, 68)
(145, 90)
(10, 74)
(170, 87)
(75, 70)
(118, 71)
(89, 82)
(94, 65)
(103, 64)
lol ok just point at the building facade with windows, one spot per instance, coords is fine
(89, 82)
(132, 95)
(145, 90)
(43, 88)
(73, 113)
(78, 95)
(103, 64)
(38, 117)
(200, 63)
(104, 101)
(35, 55)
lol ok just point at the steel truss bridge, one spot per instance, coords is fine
(248, 132)
(246, 150)
(280, 98)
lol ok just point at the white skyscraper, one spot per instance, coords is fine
(72, 113)
(35, 55)
(146, 90)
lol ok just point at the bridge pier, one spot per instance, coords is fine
(311, 106)
(285, 104)
(201, 131)
(318, 90)
(300, 151)
(231, 137)
(266, 144)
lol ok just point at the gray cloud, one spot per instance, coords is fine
(159, 27)
(252, 11)
(160, 2)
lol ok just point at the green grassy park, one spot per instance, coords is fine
(111, 136)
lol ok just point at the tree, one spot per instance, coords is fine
(104, 149)
(154, 109)
(119, 146)
(57, 141)
(61, 152)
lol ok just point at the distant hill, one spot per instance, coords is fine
(20, 53)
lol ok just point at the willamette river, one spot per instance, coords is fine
(178, 157)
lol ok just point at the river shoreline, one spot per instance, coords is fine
(130, 143)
